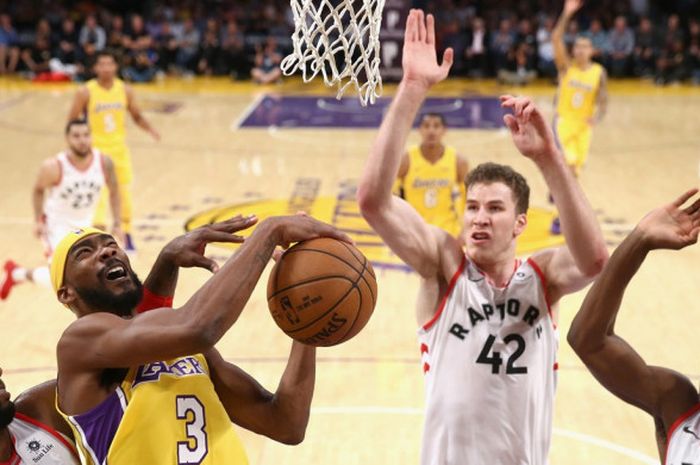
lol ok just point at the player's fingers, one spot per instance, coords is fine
(520, 104)
(447, 59)
(277, 254)
(302, 213)
(411, 34)
(330, 231)
(684, 198)
(201, 261)
(507, 101)
(694, 207)
(422, 33)
(220, 236)
(511, 123)
(430, 22)
(237, 224)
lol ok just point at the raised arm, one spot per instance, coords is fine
(282, 415)
(137, 116)
(194, 328)
(114, 198)
(573, 266)
(561, 55)
(661, 392)
(398, 224)
(80, 103)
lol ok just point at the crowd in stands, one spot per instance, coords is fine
(246, 39)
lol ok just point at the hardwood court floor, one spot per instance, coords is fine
(369, 395)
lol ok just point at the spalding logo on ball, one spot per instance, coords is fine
(322, 292)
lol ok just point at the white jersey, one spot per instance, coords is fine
(71, 203)
(684, 439)
(489, 359)
(38, 444)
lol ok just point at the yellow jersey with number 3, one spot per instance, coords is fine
(163, 413)
(432, 189)
(578, 90)
(106, 114)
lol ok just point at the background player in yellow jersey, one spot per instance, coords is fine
(151, 388)
(431, 177)
(104, 101)
(582, 96)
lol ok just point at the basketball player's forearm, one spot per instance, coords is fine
(162, 280)
(596, 319)
(383, 164)
(216, 306)
(292, 400)
(38, 205)
(580, 227)
(6, 445)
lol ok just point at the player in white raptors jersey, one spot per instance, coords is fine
(64, 198)
(31, 431)
(488, 321)
(667, 395)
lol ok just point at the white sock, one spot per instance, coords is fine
(41, 276)
(19, 275)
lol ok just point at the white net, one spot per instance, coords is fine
(340, 40)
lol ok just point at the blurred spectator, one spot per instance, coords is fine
(36, 58)
(210, 50)
(43, 31)
(476, 49)
(116, 37)
(189, 46)
(9, 45)
(137, 39)
(452, 36)
(92, 35)
(671, 64)
(166, 48)
(502, 42)
(545, 49)
(526, 37)
(694, 61)
(599, 40)
(267, 60)
(140, 68)
(233, 50)
(67, 47)
(517, 71)
(572, 31)
(646, 43)
(621, 46)
(672, 32)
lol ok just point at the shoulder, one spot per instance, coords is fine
(78, 333)
(37, 402)
(450, 252)
(50, 169)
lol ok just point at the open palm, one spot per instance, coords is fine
(420, 63)
(671, 226)
(572, 6)
(530, 132)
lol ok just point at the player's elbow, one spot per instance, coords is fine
(596, 262)
(581, 342)
(368, 200)
(293, 433)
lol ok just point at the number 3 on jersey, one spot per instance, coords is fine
(496, 361)
(195, 448)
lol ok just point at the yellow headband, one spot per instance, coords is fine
(60, 255)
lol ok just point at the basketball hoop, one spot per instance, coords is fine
(340, 40)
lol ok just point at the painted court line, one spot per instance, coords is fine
(413, 411)
(236, 124)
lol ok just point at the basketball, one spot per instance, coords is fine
(322, 292)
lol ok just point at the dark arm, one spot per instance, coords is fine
(282, 415)
(661, 392)
(137, 116)
(104, 340)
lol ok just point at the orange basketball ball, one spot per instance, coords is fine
(322, 292)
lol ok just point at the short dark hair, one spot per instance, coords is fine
(105, 52)
(487, 173)
(75, 122)
(439, 116)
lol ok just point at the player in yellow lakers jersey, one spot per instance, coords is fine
(150, 388)
(431, 177)
(582, 95)
(104, 101)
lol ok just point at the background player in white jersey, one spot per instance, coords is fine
(667, 395)
(64, 198)
(32, 431)
(490, 346)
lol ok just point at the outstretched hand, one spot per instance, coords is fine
(672, 226)
(531, 134)
(187, 251)
(420, 64)
(572, 6)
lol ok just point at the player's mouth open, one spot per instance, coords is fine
(115, 272)
(480, 236)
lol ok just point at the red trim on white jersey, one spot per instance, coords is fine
(679, 421)
(450, 288)
(51, 431)
(539, 272)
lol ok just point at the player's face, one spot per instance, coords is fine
(105, 68)
(79, 139)
(99, 272)
(583, 50)
(491, 223)
(432, 130)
